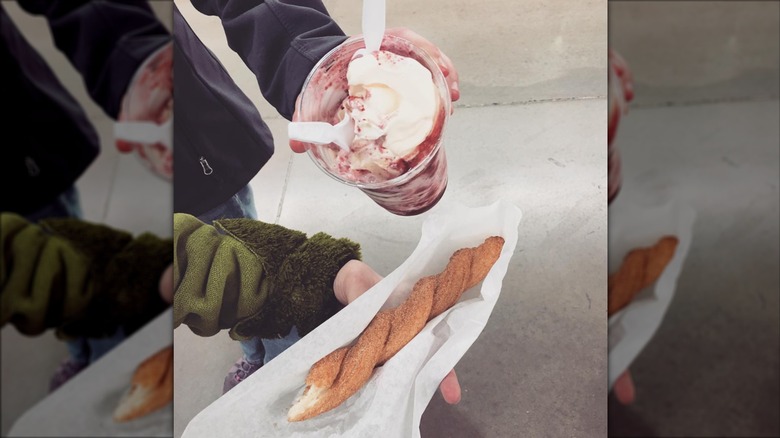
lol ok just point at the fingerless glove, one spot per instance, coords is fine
(80, 278)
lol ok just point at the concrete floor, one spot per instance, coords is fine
(116, 190)
(539, 367)
(705, 126)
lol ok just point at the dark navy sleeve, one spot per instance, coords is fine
(280, 41)
(105, 40)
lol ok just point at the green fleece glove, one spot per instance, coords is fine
(254, 278)
(82, 279)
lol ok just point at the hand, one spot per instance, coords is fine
(624, 389)
(149, 98)
(619, 65)
(166, 285)
(443, 61)
(357, 277)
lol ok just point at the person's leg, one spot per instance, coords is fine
(78, 350)
(250, 361)
(71, 201)
(68, 204)
(83, 351)
(77, 360)
(246, 200)
(98, 347)
(240, 205)
(253, 351)
(256, 351)
(65, 205)
(275, 347)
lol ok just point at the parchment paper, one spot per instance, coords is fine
(84, 406)
(634, 223)
(392, 402)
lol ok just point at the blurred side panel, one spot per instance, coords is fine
(74, 71)
(702, 128)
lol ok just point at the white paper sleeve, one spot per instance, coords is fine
(634, 224)
(392, 402)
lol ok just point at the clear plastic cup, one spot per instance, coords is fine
(423, 184)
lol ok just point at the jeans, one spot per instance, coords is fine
(241, 205)
(88, 350)
(81, 350)
(66, 205)
(275, 347)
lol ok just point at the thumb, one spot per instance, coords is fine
(166, 285)
(450, 388)
(624, 389)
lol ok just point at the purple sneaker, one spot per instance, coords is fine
(67, 369)
(238, 372)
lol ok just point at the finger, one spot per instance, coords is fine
(624, 389)
(125, 147)
(450, 388)
(453, 79)
(454, 91)
(166, 285)
(298, 146)
(444, 70)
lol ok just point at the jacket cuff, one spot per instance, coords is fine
(301, 293)
(123, 280)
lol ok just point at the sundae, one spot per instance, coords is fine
(399, 102)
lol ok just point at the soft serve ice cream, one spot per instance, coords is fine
(394, 104)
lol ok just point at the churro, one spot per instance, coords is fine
(339, 375)
(640, 268)
(151, 387)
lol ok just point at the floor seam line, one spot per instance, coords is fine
(531, 102)
(284, 190)
(703, 102)
(111, 189)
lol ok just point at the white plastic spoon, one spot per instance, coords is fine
(373, 26)
(341, 133)
(373, 23)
